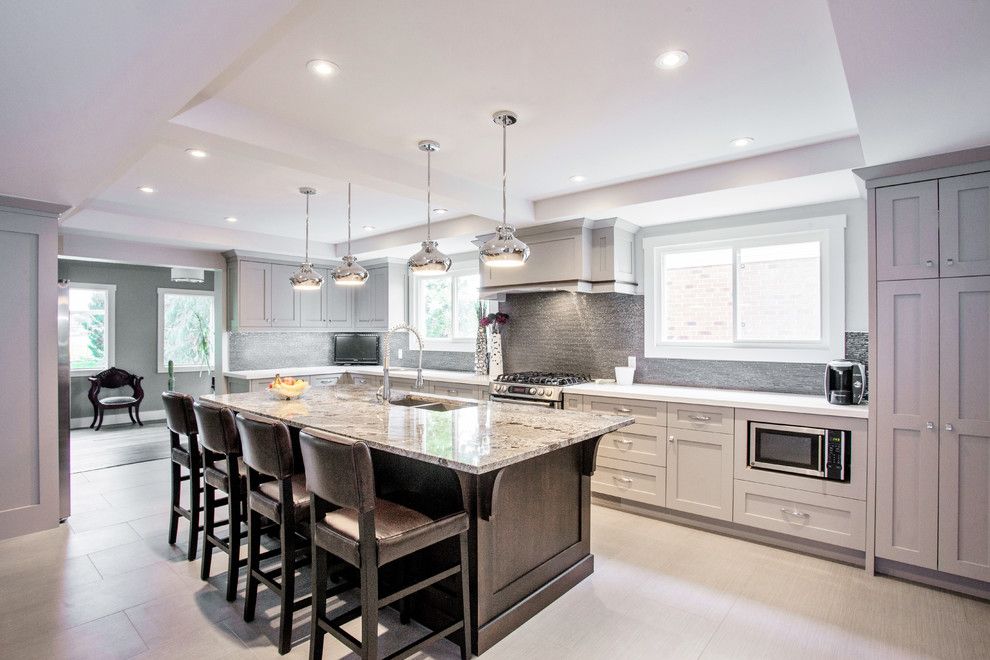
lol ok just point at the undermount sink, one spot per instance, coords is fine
(410, 401)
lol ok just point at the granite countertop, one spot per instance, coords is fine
(794, 403)
(476, 439)
(466, 377)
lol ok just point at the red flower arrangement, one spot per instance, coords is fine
(497, 320)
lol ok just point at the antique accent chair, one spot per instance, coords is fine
(114, 378)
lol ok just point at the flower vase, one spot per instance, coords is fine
(481, 352)
(495, 359)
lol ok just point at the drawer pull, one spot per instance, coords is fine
(700, 418)
(623, 441)
(797, 514)
(622, 480)
(623, 410)
(451, 391)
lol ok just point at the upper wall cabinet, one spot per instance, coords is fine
(964, 228)
(260, 297)
(573, 255)
(937, 228)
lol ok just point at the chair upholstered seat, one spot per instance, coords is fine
(265, 500)
(117, 400)
(216, 474)
(399, 531)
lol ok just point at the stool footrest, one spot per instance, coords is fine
(413, 588)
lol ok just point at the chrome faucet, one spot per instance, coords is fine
(385, 391)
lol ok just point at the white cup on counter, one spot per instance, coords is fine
(624, 375)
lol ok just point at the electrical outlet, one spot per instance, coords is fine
(400, 353)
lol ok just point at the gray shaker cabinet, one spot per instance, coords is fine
(254, 299)
(907, 231)
(964, 229)
(339, 306)
(699, 472)
(313, 304)
(964, 457)
(906, 395)
(285, 299)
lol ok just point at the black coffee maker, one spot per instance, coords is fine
(845, 382)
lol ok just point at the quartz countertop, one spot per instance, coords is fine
(466, 377)
(479, 438)
(793, 403)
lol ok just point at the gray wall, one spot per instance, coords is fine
(135, 328)
(593, 333)
(276, 350)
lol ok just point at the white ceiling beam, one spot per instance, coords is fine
(843, 153)
(469, 225)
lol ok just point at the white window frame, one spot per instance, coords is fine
(110, 320)
(830, 230)
(162, 364)
(464, 345)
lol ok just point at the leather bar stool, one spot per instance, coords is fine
(349, 522)
(276, 494)
(222, 458)
(181, 422)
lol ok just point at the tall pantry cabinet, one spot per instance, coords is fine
(930, 361)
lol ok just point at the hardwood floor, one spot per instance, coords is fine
(121, 444)
(107, 585)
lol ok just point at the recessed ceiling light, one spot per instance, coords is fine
(146, 189)
(671, 59)
(324, 68)
(439, 211)
(577, 178)
(196, 153)
(230, 218)
(369, 228)
(741, 141)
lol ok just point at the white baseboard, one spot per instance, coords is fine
(116, 418)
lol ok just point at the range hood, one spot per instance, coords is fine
(584, 256)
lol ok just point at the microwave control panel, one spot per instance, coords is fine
(837, 456)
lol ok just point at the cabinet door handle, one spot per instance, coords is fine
(930, 263)
(622, 480)
(949, 427)
(623, 410)
(930, 426)
(950, 261)
(795, 513)
(670, 439)
(700, 418)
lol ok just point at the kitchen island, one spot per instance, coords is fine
(522, 473)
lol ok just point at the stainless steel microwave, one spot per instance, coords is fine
(810, 452)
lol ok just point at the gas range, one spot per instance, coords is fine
(533, 387)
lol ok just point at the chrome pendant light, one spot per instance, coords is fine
(504, 250)
(429, 259)
(349, 273)
(306, 279)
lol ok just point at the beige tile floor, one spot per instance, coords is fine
(107, 585)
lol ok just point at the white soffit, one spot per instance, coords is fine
(801, 191)
(918, 73)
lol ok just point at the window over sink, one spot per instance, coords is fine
(771, 292)
(444, 307)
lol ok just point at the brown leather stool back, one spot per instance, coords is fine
(266, 446)
(217, 429)
(179, 415)
(339, 470)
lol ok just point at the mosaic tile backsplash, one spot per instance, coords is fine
(593, 333)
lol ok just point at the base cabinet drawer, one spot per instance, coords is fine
(407, 385)
(455, 389)
(645, 412)
(324, 380)
(368, 381)
(824, 518)
(641, 443)
(700, 418)
(631, 481)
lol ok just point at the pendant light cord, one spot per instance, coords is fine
(503, 174)
(429, 155)
(307, 228)
(348, 217)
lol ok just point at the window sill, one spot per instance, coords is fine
(791, 354)
(445, 347)
(85, 373)
(184, 370)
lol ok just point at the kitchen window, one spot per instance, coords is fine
(185, 329)
(444, 308)
(771, 292)
(91, 328)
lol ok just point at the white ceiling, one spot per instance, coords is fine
(128, 89)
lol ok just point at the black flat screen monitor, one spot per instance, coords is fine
(356, 349)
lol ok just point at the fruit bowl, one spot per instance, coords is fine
(287, 389)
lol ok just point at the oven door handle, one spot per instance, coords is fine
(523, 402)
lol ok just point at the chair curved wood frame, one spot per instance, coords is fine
(114, 378)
